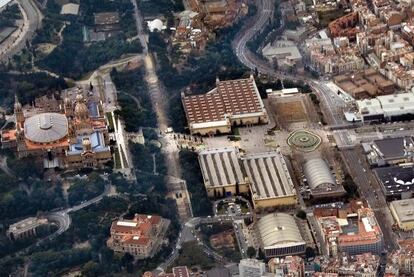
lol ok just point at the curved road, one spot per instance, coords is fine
(265, 10)
(62, 218)
(32, 21)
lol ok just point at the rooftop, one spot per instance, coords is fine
(269, 175)
(137, 230)
(106, 18)
(404, 209)
(220, 167)
(46, 127)
(396, 180)
(230, 98)
(279, 229)
(391, 148)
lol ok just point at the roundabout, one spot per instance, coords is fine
(303, 140)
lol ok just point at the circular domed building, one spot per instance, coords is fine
(46, 128)
(68, 136)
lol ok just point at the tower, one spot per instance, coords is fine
(18, 111)
(68, 107)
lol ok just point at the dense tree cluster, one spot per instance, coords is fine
(9, 15)
(192, 254)
(27, 87)
(152, 8)
(73, 58)
(192, 174)
(133, 97)
(82, 190)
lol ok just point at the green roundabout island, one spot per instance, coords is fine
(303, 140)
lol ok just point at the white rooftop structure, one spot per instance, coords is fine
(155, 25)
(387, 105)
(318, 173)
(46, 127)
(127, 223)
(269, 175)
(70, 8)
(220, 166)
(279, 230)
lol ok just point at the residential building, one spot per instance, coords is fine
(364, 84)
(353, 229)
(289, 266)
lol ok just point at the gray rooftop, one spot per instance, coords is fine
(220, 167)
(391, 148)
(269, 175)
(46, 127)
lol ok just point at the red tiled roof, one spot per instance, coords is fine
(233, 97)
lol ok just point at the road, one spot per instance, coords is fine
(62, 218)
(265, 10)
(32, 21)
(140, 28)
(370, 190)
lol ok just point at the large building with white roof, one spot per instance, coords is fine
(386, 107)
(271, 184)
(280, 235)
(266, 176)
(222, 172)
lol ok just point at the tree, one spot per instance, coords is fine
(90, 269)
(261, 255)
(301, 214)
(310, 252)
(251, 252)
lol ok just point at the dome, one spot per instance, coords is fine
(46, 127)
(81, 110)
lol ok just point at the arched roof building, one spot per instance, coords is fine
(318, 174)
(280, 235)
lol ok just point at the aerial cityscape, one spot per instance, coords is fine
(207, 138)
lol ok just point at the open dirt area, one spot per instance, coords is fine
(292, 112)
